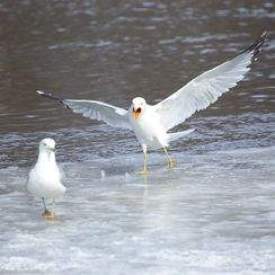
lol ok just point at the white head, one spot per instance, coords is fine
(138, 107)
(47, 145)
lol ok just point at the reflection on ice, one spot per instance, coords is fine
(214, 213)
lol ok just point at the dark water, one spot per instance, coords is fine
(214, 214)
(114, 51)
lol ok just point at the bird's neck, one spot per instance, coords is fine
(48, 157)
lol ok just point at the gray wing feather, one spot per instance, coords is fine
(112, 115)
(206, 88)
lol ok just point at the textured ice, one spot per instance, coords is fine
(214, 214)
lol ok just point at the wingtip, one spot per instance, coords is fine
(264, 34)
(263, 37)
(39, 92)
(255, 47)
(50, 96)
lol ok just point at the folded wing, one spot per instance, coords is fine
(112, 115)
(206, 88)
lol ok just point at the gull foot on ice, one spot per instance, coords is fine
(172, 163)
(49, 215)
(144, 172)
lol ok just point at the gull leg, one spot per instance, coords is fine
(144, 172)
(53, 206)
(47, 214)
(171, 162)
(45, 207)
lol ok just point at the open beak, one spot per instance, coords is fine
(136, 113)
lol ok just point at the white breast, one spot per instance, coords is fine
(45, 180)
(148, 129)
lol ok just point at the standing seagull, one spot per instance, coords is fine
(151, 123)
(45, 178)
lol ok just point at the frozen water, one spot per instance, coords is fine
(214, 214)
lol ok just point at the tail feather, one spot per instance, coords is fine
(177, 135)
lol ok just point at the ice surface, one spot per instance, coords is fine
(214, 214)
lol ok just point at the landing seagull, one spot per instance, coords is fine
(45, 178)
(151, 123)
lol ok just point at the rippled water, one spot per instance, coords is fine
(214, 214)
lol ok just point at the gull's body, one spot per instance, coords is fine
(45, 178)
(152, 123)
(148, 128)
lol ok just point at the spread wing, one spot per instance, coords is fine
(114, 116)
(206, 88)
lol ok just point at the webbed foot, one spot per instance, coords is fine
(144, 172)
(172, 163)
(48, 215)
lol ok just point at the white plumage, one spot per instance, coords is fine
(151, 123)
(45, 178)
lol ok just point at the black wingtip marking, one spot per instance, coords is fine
(255, 48)
(51, 96)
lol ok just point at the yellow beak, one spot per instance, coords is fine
(136, 113)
